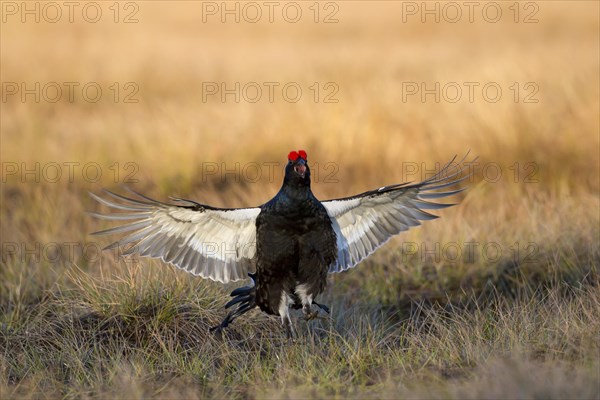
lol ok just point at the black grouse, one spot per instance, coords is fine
(287, 246)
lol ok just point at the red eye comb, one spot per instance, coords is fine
(293, 156)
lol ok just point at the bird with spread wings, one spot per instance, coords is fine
(287, 246)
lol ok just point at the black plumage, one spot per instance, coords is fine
(296, 244)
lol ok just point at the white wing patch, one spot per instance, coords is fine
(365, 222)
(218, 244)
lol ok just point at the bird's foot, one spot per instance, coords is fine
(310, 315)
(315, 315)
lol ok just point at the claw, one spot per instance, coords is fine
(309, 316)
(312, 315)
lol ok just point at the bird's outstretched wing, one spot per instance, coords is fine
(366, 221)
(214, 243)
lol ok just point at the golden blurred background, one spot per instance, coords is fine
(200, 99)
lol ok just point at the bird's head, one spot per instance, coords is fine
(296, 170)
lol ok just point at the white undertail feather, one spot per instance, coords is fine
(305, 297)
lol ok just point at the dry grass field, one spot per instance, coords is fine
(500, 298)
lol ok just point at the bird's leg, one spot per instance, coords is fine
(284, 313)
(289, 328)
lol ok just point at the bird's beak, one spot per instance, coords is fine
(300, 168)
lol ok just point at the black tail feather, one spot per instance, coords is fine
(245, 298)
(238, 299)
(321, 306)
(241, 291)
